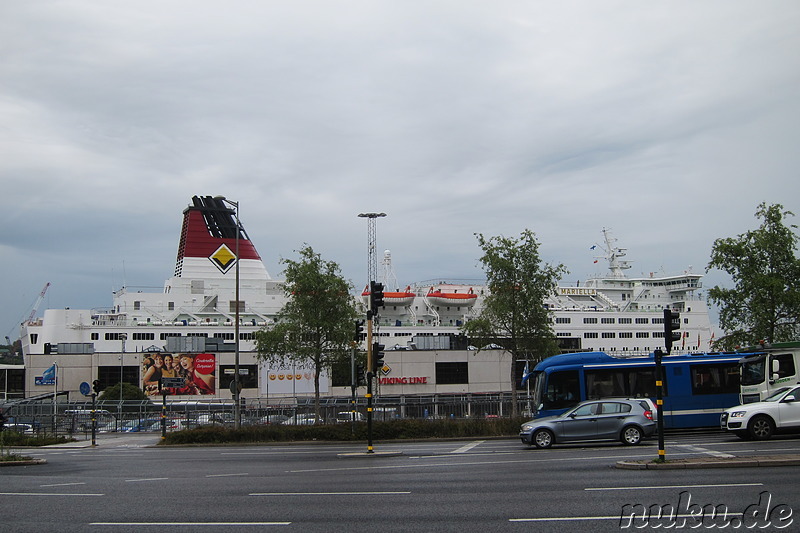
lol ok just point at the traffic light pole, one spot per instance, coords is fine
(94, 419)
(370, 375)
(163, 414)
(353, 386)
(662, 453)
(672, 323)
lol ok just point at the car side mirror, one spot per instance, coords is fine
(790, 398)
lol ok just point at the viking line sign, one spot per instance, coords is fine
(404, 381)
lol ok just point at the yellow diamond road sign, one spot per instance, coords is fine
(223, 258)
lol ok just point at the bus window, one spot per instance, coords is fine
(563, 390)
(642, 384)
(715, 379)
(605, 384)
(621, 383)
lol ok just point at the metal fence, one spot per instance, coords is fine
(75, 418)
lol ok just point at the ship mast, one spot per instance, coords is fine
(388, 277)
(613, 254)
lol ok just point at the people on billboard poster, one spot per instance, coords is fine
(196, 370)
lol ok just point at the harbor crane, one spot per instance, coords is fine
(38, 302)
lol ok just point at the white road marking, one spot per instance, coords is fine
(468, 447)
(166, 524)
(679, 486)
(369, 493)
(46, 494)
(698, 449)
(146, 479)
(468, 463)
(588, 518)
(228, 475)
(62, 484)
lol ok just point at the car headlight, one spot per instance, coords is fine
(527, 427)
(738, 414)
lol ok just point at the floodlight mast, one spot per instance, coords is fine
(372, 273)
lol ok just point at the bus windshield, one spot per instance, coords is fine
(560, 391)
(538, 380)
(753, 372)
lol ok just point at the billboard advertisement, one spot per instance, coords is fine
(187, 374)
(277, 380)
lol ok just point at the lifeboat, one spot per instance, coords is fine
(458, 299)
(395, 298)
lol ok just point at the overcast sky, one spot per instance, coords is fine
(666, 122)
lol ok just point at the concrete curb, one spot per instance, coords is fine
(712, 462)
(24, 463)
(367, 454)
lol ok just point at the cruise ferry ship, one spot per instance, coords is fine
(197, 308)
(608, 313)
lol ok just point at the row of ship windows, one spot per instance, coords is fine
(614, 335)
(139, 336)
(605, 320)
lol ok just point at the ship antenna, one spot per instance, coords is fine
(613, 254)
(389, 279)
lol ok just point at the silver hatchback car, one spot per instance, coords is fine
(628, 421)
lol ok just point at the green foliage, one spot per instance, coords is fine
(764, 303)
(12, 458)
(129, 392)
(14, 438)
(381, 430)
(315, 326)
(514, 314)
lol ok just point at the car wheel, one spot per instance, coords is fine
(543, 438)
(761, 427)
(631, 435)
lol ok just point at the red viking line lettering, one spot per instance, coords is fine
(404, 381)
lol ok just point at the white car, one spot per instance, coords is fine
(303, 420)
(778, 413)
(25, 429)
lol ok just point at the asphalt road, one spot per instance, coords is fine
(461, 486)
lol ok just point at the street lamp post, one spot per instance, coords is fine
(237, 409)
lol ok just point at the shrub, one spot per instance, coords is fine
(383, 430)
(13, 438)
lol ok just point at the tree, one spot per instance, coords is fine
(764, 303)
(129, 392)
(315, 326)
(514, 312)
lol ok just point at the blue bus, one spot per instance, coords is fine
(697, 387)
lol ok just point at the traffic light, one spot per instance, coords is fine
(672, 323)
(377, 356)
(361, 378)
(375, 295)
(359, 335)
(96, 386)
